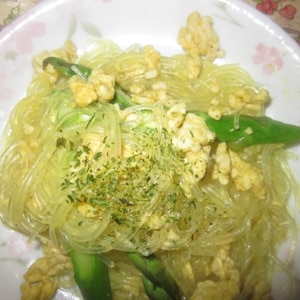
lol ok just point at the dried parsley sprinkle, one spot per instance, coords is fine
(90, 121)
(121, 186)
(117, 219)
(61, 142)
(71, 198)
(97, 156)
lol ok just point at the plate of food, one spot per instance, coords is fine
(149, 150)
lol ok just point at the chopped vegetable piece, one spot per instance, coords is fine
(67, 69)
(161, 283)
(91, 275)
(153, 291)
(251, 131)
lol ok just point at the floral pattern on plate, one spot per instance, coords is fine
(268, 57)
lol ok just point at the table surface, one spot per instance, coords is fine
(285, 13)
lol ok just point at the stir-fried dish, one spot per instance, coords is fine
(147, 176)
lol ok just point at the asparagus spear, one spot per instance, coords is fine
(67, 69)
(153, 291)
(158, 283)
(91, 275)
(251, 131)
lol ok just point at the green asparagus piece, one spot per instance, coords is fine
(153, 291)
(122, 98)
(161, 283)
(91, 275)
(251, 131)
(67, 69)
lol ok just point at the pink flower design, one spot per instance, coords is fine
(268, 57)
(24, 40)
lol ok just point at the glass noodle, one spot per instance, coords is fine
(139, 204)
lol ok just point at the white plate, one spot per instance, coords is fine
(248, 37)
